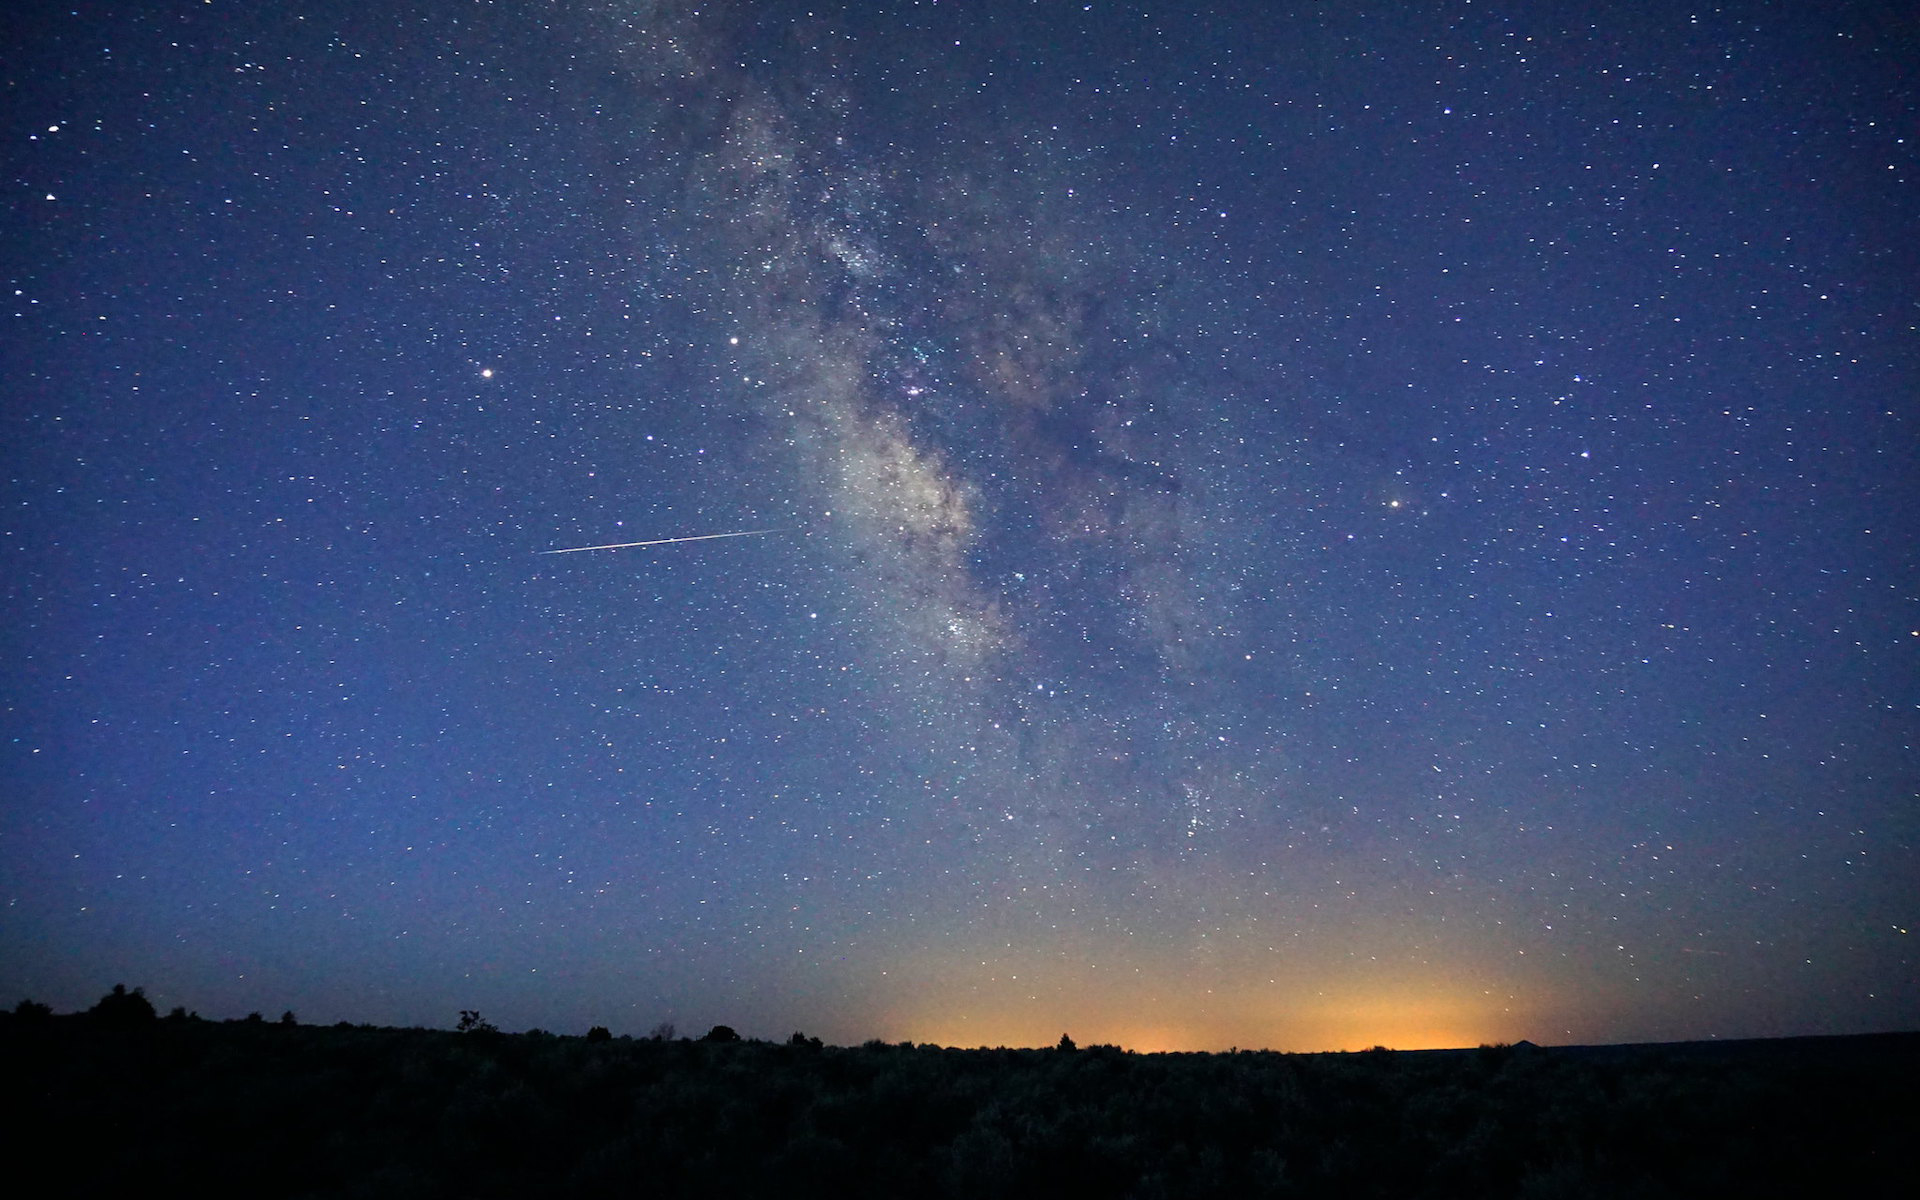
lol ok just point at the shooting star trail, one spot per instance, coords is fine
(704, 537)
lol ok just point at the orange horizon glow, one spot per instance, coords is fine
(1361, 1030)
(1338, 1007)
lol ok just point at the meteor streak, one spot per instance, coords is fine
(704, 537)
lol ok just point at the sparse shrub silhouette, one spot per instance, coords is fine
(803, 1042)
(329, 1113)
(123, 1009)
(1493, 1055)
(472, 1022)
(663, 1032)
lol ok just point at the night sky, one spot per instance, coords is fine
(1273, 524)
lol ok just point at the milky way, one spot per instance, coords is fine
(1290, 529)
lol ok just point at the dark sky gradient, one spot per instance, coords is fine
(1298, 525)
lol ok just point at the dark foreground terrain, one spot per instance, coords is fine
(259, 1109)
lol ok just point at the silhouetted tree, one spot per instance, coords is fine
(599, 1033)
(663, 1032)
(287, 1018)
(122, 1009)
(1065, 1043)
(32, 1010)
(803, 1041)
(721, 1033)
(472, 1022)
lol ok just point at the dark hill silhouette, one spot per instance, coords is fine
(268, 1109)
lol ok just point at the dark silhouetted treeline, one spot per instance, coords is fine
(268, 1109)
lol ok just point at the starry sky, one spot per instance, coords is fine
(1269, 524)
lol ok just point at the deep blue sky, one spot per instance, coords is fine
(1296, 525)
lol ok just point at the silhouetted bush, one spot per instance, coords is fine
(32, 1010)
(721, 1033)
(599, 1033)
(472, 1022)
(123, 1009)
(233, 1108)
